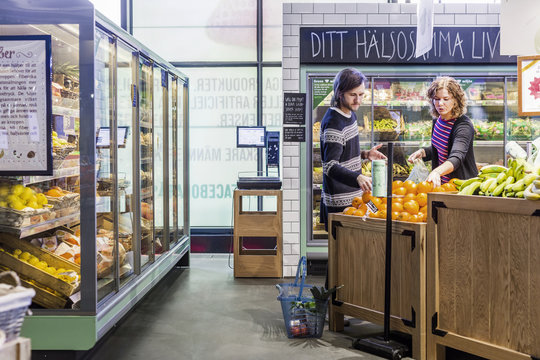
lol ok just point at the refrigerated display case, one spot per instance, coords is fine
(395, 109)
(93, 237)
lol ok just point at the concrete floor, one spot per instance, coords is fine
(204, 313)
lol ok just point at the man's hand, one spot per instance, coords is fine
(375, 154)
(418, 154)
(364, 182)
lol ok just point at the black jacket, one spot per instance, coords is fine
(460, 149)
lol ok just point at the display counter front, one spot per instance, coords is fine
(106, 216)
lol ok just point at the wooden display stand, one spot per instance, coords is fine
(254, 224)
(483, 276)
(356, 259)
(18, 349)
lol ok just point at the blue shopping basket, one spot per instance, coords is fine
(303, 314)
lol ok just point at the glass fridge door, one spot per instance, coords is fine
(159, 165)
(106, 244)
(485, 105)
(126, 111)
(172, 163)
(182, 97)
(519, 128)
(400, 114)
(146, 173)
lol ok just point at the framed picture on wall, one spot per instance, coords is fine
(528, 85)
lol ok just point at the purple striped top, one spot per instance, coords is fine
(439, 139)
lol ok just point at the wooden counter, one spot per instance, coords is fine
(356, 259)
(483, 276)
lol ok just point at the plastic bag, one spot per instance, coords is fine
(419, 172)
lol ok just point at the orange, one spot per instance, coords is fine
(366, 196)
(410, 186)
(359, 212)
(357, 201)
(395, 215)
(414, 218)
(382, 207)
(449, 187)
(438, 189)
(423, 210)
(411, 207)
(349, 210)
(377, 201)
(363, 208)
(452, 181)
(424, 217)
(400, 191)
(397, 206)
(424, 187)
(381, 214)
(404, 216)
(420, 216)
(397, 184)
(374, 215)
(421, 199)
(383, 199)
(397, 199)
(409, 196)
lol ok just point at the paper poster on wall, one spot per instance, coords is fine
(424, 27)
(529, 85)
(25, 105)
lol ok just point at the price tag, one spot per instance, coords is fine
(372, 207)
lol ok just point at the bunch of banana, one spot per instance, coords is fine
(532, 192)
(496, 180)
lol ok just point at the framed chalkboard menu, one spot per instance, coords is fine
(25, 105)
(294, 109)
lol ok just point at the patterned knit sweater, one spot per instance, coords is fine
(341, 159)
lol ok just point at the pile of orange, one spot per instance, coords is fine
(409, 202)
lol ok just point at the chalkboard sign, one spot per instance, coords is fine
(397, 45)
(294, 108)
(294, 134)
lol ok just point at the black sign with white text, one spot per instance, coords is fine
(396, 45)
(294, 108)
(294, 134)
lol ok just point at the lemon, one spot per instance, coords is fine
(17, 252)
(17, 189)
(17, 205)
(33, 261)
(42, 265)
(50, 270)
(41, 199)
(25, 256)
(4, 190)
(60, 270)
(3, 203)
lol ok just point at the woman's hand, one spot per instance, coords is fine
(364, 182)
(418, 154)
(375, 154)
(435, 178)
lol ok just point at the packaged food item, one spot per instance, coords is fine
(49, 243)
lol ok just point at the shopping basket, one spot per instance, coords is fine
(14, 302)
(303, 314)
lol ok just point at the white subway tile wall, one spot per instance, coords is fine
(296, 15)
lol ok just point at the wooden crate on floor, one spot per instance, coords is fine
(17, 349)
(356, 259)
(483, 276)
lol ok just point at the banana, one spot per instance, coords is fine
(537, 183)
(510, 194)
(518, 174)
(520, 194)
(468, 182)
(499, 189)
(528, 179)
(486, 184)
(458, 182)
(492, 187)
(471, 189)
(489, 175)
(519, 186)
(502, 176)
(530, 195)
(492, 169)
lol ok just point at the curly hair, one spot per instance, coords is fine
(347, 79)
(452, 86)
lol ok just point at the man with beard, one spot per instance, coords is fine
(340, 146)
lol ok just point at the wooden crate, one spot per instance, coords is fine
(32, 272)
(483, 276)
(356, 259)
(17, 349)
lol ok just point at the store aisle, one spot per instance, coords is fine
(205, 313)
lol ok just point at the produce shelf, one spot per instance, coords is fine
(40, 227)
